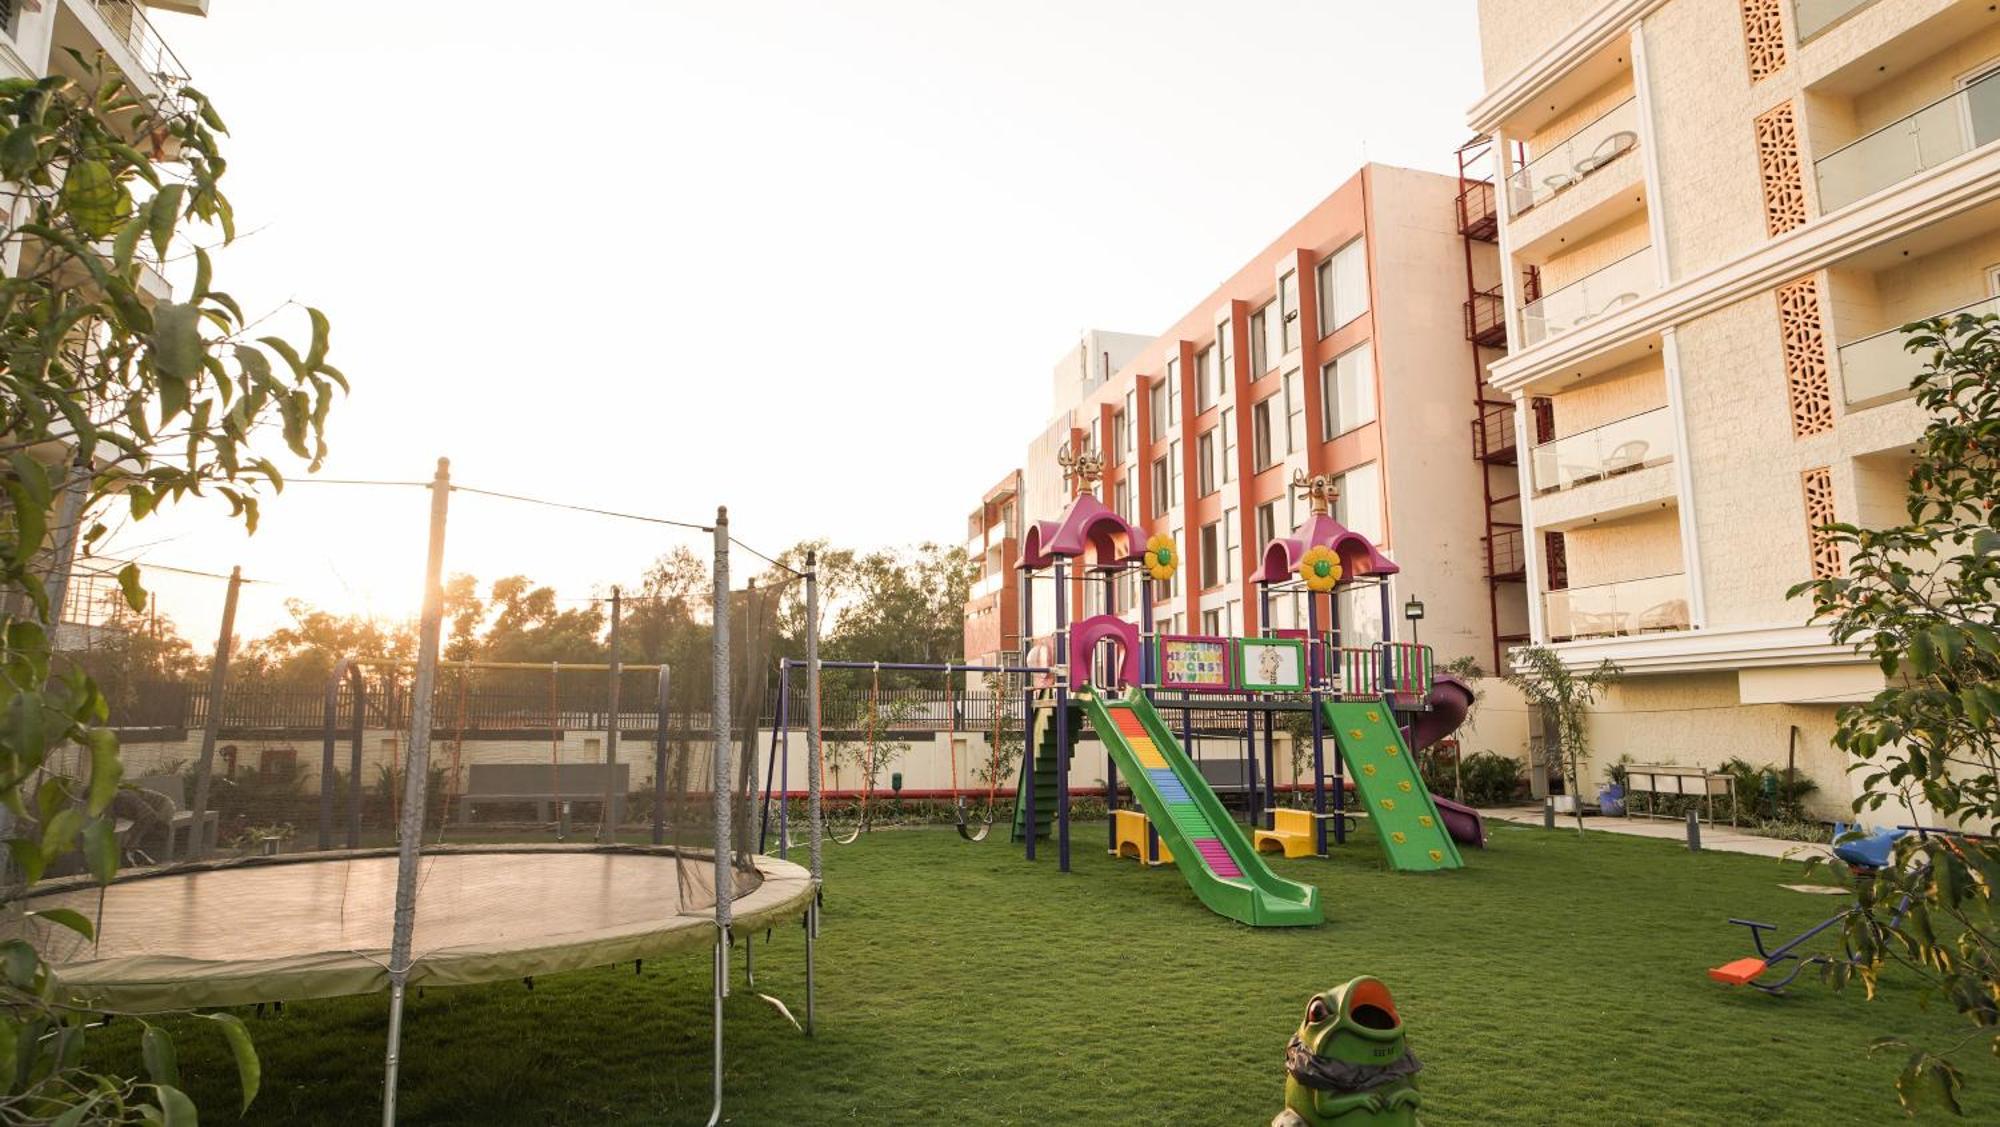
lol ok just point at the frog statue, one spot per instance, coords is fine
(1347, 1066)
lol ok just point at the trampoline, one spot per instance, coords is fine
(319, 925)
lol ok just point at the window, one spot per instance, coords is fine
(1161, 501)
(1211, 555)
(1204, 453)
(1260, 341)
(1288, 310)
(1295, 412)
(1359, 505)
(1122, 499)
(1131, 424)
(1267, 524)
(1360, 610)
(1260, 434)
(1119, 450)
(1204, 380)
(1343, 286)
(1156, 405)
(1228, 566)
(1173, 393)
(1225, 351)
(1213, 625)
(1174, 472)
(1228, 430)
(1347, 388)
(1232, 617)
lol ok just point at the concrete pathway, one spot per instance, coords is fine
(1719, 837)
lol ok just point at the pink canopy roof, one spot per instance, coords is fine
(1086, 524)
(1357, 556)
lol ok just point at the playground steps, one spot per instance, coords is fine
(1044, 780)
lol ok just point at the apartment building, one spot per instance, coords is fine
(1713, 213)
(1339, 348)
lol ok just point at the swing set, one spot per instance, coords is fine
(973, 820)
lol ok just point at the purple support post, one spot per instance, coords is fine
(1062, 714)
(1255, 808)
(1147, 674)
(1110, 764)
(785, 758)
(1319, 751)
(1025, 793)
(1388, 635)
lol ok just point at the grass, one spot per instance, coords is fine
(1552, 981)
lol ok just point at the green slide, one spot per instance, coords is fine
(1385, 776)
(1215, 856)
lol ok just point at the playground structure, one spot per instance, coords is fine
(270, 918)
(1378, 701)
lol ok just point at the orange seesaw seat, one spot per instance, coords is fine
(1738, 973)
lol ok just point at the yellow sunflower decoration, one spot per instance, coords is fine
(1320, 568)
(1160, 560)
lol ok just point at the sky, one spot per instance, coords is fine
(812, 261)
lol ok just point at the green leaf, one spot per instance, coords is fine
(316, 355)
(176, 349)
(66, 917)
(61, 830)
(94, 197)
(100, 849)
(27, 858)
(164, 213)
(106, 772)
(20, 963)
(126, 244)
(19, 151)
(25, 727)
(249, 1070)
(128, 582)
(176, 1110)
(163, 1065)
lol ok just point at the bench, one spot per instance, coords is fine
(1291, 833)
(173, 788)
(541, 784)
(1135, 839)
(1679, 780)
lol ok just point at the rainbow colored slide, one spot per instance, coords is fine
(1214, 855)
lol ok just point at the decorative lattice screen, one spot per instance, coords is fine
(1778, 166)
(1763, 38)
(1807, 383)
(1818, 486)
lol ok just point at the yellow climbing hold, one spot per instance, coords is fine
(1391, 751)
(1397, 837)
(1374, 717)
(1424, 820)
(1437, 855)
(1388, 804)
(1354, 733)
(1404, 786)
(1368, 768)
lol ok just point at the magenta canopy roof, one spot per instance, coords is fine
(1086, 524)
(1358, 557)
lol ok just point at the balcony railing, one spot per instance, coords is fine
(1876, 368)
(1949, 127)
(1635, 606)
(1590, 297)
(139, 36)
(1645, 439)
(1486, 318)
(1609, 136)
(1810, 17)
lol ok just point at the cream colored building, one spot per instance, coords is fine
(1711, 211)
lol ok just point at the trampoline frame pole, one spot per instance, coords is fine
(720, 718)
(417, 777)
(660, 757)
(814, 819)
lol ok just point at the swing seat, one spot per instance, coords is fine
(967, 828)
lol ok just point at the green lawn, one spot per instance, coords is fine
(1552, 981)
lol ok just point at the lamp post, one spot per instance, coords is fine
(1414, 611)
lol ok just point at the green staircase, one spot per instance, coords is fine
(1045, 776)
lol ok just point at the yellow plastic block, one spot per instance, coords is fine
(1131, 832)
(1291, 833)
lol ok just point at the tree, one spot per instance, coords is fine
(1564, 699)
(1922, 599)
(529, 626)
(302, 655)
(109, 394)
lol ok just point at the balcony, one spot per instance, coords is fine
(1608, 137)
(1636, 606)
(1486, 318)
(120, 31)
(1590, 298)
(1632, 443)
(1810, 17)
(1493, 434)
(1876, 369)
(1949, 127)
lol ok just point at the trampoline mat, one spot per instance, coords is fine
(318, 926)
